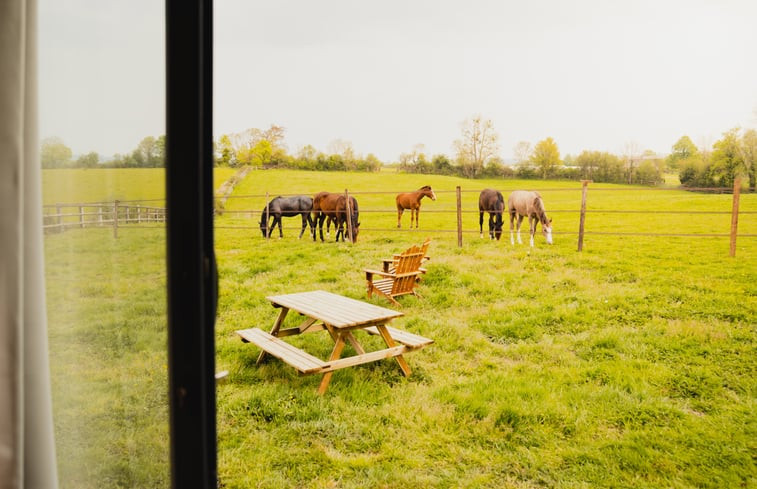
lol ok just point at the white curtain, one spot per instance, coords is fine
(27, 450)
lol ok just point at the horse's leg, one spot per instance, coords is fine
(520, 222)
(304, 225)
(417, 217)
(481, 223)
(339, 229)
(281, 232)
(491, 226)
(321, 218)
(399, 216)
(532, 228)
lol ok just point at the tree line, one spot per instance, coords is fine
(476, 155)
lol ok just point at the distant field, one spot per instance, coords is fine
(631, 364)
(107, 185)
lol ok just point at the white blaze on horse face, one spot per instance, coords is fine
(547, 233)
(433, 195)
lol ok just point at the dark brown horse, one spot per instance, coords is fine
(324, 207)
(491, 201)
(333, 207)
(522, 203)
(412, 201)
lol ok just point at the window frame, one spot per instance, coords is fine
(192, 280)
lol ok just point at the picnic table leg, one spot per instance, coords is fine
(391, 344)
(274, 331)
(350, 337)
(335, 354)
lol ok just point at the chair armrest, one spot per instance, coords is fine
(369, 272)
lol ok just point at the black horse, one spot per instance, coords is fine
(287, 207)
(491, 201)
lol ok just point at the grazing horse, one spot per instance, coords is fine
(412, 201)
(342, 214)
(522, 203)
(287, 207)
(324, 206)
(333, 208)
(491, 201)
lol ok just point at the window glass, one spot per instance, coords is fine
(102, 126)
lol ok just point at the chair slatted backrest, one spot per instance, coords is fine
(408, 262)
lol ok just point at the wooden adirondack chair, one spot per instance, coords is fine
(401, 281)
(390, 264)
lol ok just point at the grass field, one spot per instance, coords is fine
(631, 364)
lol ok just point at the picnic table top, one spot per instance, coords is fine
(333, 309)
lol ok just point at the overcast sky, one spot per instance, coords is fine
(388, 75)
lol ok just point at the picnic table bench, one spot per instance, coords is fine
(339, 316)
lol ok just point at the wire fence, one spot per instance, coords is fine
(135, 214)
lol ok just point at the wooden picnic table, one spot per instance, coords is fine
(339, 316)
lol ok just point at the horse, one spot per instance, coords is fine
(280, 207)
(333, 208)
(491, 201)
(522, 203)
(412, 201)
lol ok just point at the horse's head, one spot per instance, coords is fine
(428, 192)
(546, 230)
(355, 230)
(498, 226)
(263, 223)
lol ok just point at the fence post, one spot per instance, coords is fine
(349, 214)
(267, 214)
(459, 218)
(584, 189)
(60, 217)
(81, 216)
(115, 219)
(735, 214)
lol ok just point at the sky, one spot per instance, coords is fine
(388, 76)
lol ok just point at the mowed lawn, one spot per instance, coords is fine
(630, 364)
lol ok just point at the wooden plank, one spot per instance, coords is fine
(364, 358)
(334, 309)
(408, 339)
(302, 361)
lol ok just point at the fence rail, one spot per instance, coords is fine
(59, 217)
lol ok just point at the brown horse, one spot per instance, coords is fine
(333, 207)
(412, 201)
(324, 206)
(522, 203)
(491, 201)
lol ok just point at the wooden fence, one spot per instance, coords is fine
(59, 217)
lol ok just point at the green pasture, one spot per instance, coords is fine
(86, 185)
(630, 364)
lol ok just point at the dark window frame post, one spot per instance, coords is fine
(192, 276)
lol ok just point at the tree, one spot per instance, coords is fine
(345, 151)
(546, 157)
(442, 165)
(522, 153)
(600, 166)
(631, 158)
(225, 154)
(749, 143)
(147, 153)
(684, 149)
(727, 160)
(477, 145)
(54, 153)
(89, 160)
